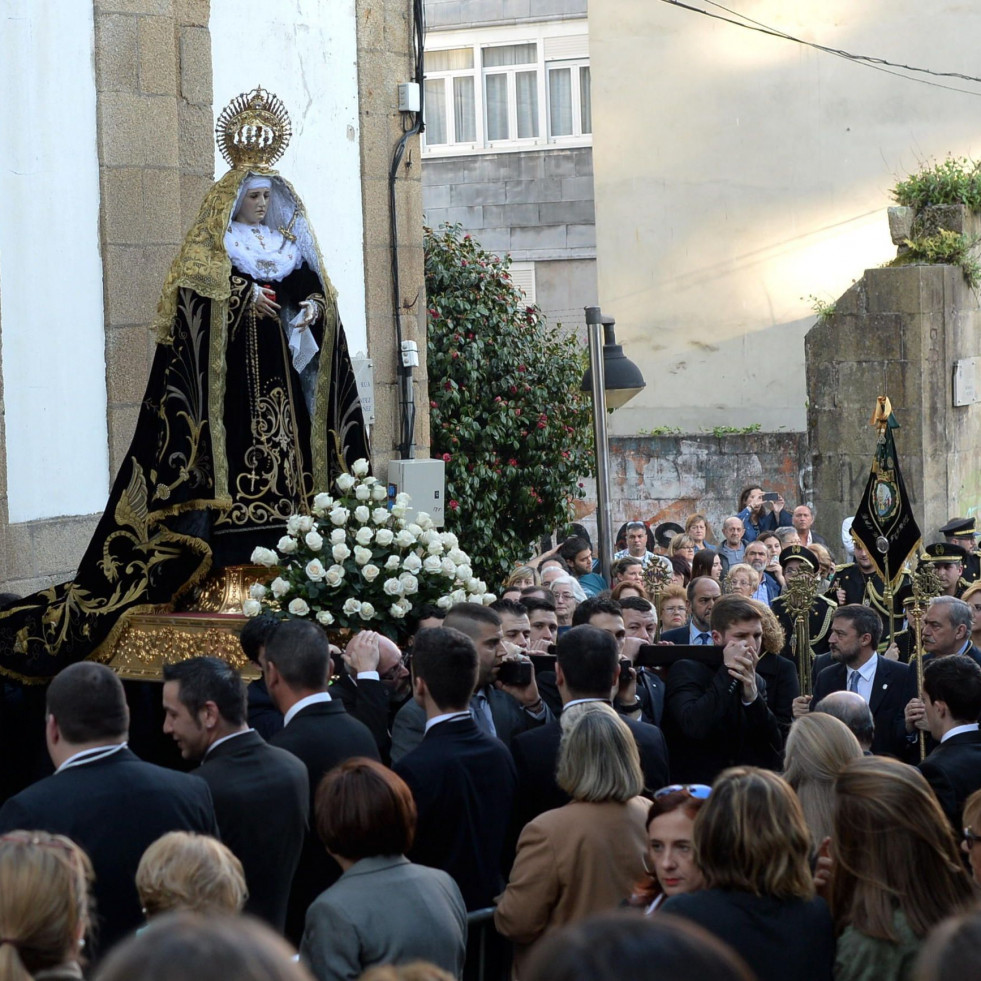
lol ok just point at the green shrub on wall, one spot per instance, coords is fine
(507, 415)
(955, 180)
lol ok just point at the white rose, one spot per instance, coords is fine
(458, 596)
(364, 536)
(412, 563)
(405, 539)
(334, 575)
(458, 557)
(337, 536)
(280, 587)
(338, 516)
(448, 539)
(326, 618)
(351, 606)
(415, 529)
(448, 567)
(340, 552)
(298, 607)
(487, 599)
(424, 520)
(258, 591)
(392, 587)
(362, 514)
(366, 612)
(435, 548)
(399, 510)
(323, 501)
(251, 607)
(264, 556)
(393, 563)
(425, 537)
(410, 585)
(384, 537)
(464, 572)
(305, 523)
(286, 545)
(444, 602)
(396, 611)
(314, 541)
(362, 555)
(432, 563)
(475, 586)
(362, 493)
(345, 482)
(380, 516)
(379, 492)
(360, 467)
(315, 570)
(293, 524)
(370, 572)
(403, 604)
(403, 499)
(370, 481)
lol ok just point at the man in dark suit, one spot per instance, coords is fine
(261, 793)
(264, 717)
(319, 731)
(952, 698)
(586, 670)
(104, 797)
(640, 624)
(703, 593)
(462, 778)
(718, 717)
(373, 684)
(853, 639)
(499, 710)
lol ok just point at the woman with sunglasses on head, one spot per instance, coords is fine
(671, 868)
(752, 846)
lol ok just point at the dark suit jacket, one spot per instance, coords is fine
(651, 690)
(887, 701)
(782, 687)
(368, 701)
(509, 719)
(536, 756)
(681, 635)
(114, 808)
(321, 735)
(463, 782)
(708, 728)
(953, 770)
(261, 796)
(264, 717)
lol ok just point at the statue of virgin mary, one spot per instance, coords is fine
(250, 409)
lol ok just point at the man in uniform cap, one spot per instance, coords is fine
(960, 531)
(948, 561)
(794, 560)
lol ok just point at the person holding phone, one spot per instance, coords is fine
(761, 511)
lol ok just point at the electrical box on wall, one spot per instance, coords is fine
(409, 100)
(425, 483)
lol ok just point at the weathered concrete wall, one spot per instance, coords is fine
(666, 478)
(447, 14)
(897, 332)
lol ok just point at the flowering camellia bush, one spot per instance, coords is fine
(506, 411)
(355, 563)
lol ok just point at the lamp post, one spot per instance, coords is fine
(614, 380)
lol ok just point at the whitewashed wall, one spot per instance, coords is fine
(51, 311)
(305, 51)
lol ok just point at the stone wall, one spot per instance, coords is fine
(666, 478)
(897, 332)
(450, 14)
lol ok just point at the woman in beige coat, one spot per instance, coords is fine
(584, 857)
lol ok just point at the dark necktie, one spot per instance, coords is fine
(703, 639)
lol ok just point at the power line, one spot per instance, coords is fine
(867, 61)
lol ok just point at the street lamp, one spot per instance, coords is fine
(615, 385)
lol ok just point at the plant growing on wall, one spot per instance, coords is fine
(955, 180)
(507, 415)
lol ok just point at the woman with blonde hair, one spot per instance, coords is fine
(584, 857)
(752, 846)
(896, 871)
(743, 580)
(44, 906)
(817, 748)
(683, 545)
(521, 576)
(182, 870)
(673, 609)
(697, 529)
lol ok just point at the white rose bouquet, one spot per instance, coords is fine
(354, 566)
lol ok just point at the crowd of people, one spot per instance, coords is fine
(572, 782)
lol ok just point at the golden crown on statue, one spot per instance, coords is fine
(253, 130)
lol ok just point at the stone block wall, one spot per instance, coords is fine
(897, 332)
(666, 478)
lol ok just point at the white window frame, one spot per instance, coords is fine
(561, 35)
(574, 65)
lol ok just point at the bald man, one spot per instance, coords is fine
(373, 683)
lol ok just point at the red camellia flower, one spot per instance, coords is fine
(447, 458)
(432, 404)
(453, 505)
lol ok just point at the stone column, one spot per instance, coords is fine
(384, 40)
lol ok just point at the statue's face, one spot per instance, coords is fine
(254, 205)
